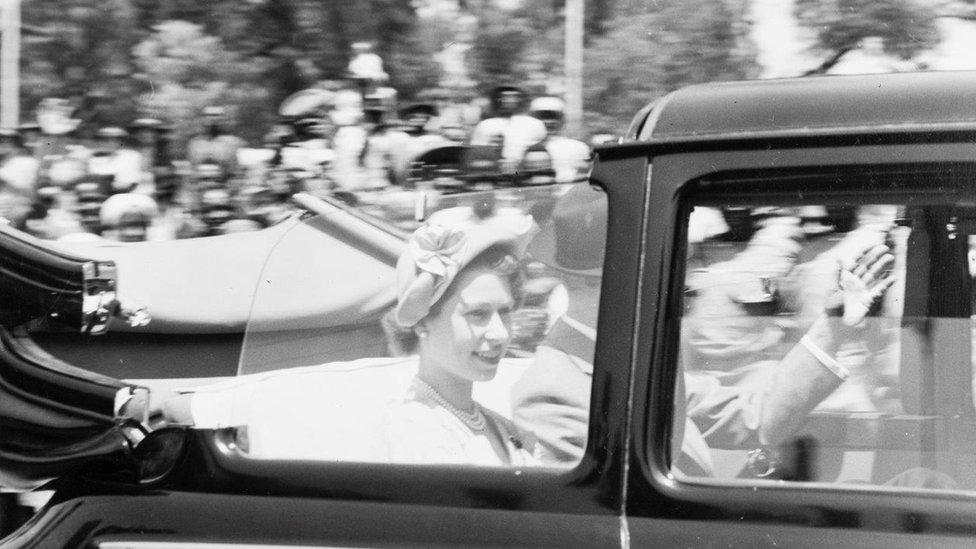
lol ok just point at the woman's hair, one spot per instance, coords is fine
(498, 259)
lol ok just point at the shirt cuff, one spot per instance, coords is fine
(825, 359)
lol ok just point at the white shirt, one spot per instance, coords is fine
(569, 157)
(519, 132)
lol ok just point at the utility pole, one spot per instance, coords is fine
(9, 63)
(574, 67)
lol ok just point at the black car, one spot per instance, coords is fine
(737, 221)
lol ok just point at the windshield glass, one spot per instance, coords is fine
(376, 327)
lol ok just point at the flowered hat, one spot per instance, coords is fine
(436, 253)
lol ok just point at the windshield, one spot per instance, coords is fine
(344, 327)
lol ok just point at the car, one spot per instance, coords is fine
(736, 221)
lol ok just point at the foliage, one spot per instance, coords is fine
(905, 26)
(651, 50)
(499, 47)
(78, 49)
(186, 70)
(117, 59)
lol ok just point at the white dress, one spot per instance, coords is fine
(417, 429)
(367, 410)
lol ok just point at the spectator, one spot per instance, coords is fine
(508, 129)
(215, 145)
(570, 157)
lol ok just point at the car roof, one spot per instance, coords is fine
(818, 105)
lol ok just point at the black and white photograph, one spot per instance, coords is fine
(487, 273)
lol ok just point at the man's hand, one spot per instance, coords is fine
(861, 284)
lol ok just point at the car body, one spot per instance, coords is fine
(902, 139)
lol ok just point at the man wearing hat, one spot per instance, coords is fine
(570, 157)
(508, 129)
(552, 398)
(366, 65)
(126, 217)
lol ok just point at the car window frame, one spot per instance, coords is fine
(652, 490)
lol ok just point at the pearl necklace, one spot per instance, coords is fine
(474, 419)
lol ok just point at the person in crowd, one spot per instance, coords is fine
(552, 398)
(120, 165)
(570, 158)
(258, 203)
(417, 121)
(309, 151)
(88, 205)
(366, 68)
(385, 155)
(453, 132)
(146, 134)
(536, 167)
(456, 290)
(216, 208)
(190, 226)
(215, 145)
(58, 131)
(19, 173)
(507, 128)
(30, 134)
(239, 226)
(151, 137)
(126, 216)
(43, 215)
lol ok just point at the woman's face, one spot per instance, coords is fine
(469, 335)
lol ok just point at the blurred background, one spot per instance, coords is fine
(117, 60)
(219, 111)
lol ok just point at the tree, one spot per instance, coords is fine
(498, 49)
(185, 70)
(79, 50)
(905, 27)
(650, 50)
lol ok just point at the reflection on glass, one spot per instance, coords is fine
(826, 343)
(474, 346)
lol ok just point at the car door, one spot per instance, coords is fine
(882, 460)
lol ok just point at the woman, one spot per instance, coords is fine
(456, 289)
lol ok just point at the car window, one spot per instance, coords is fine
(348, 355)
(828, 341)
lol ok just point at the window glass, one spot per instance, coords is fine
(828, 342)
(470, 342)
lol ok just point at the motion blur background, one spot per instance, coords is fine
(117, 60)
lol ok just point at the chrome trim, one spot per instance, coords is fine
(98, 296)
(205, 545)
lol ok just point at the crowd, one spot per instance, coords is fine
(62, 180)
